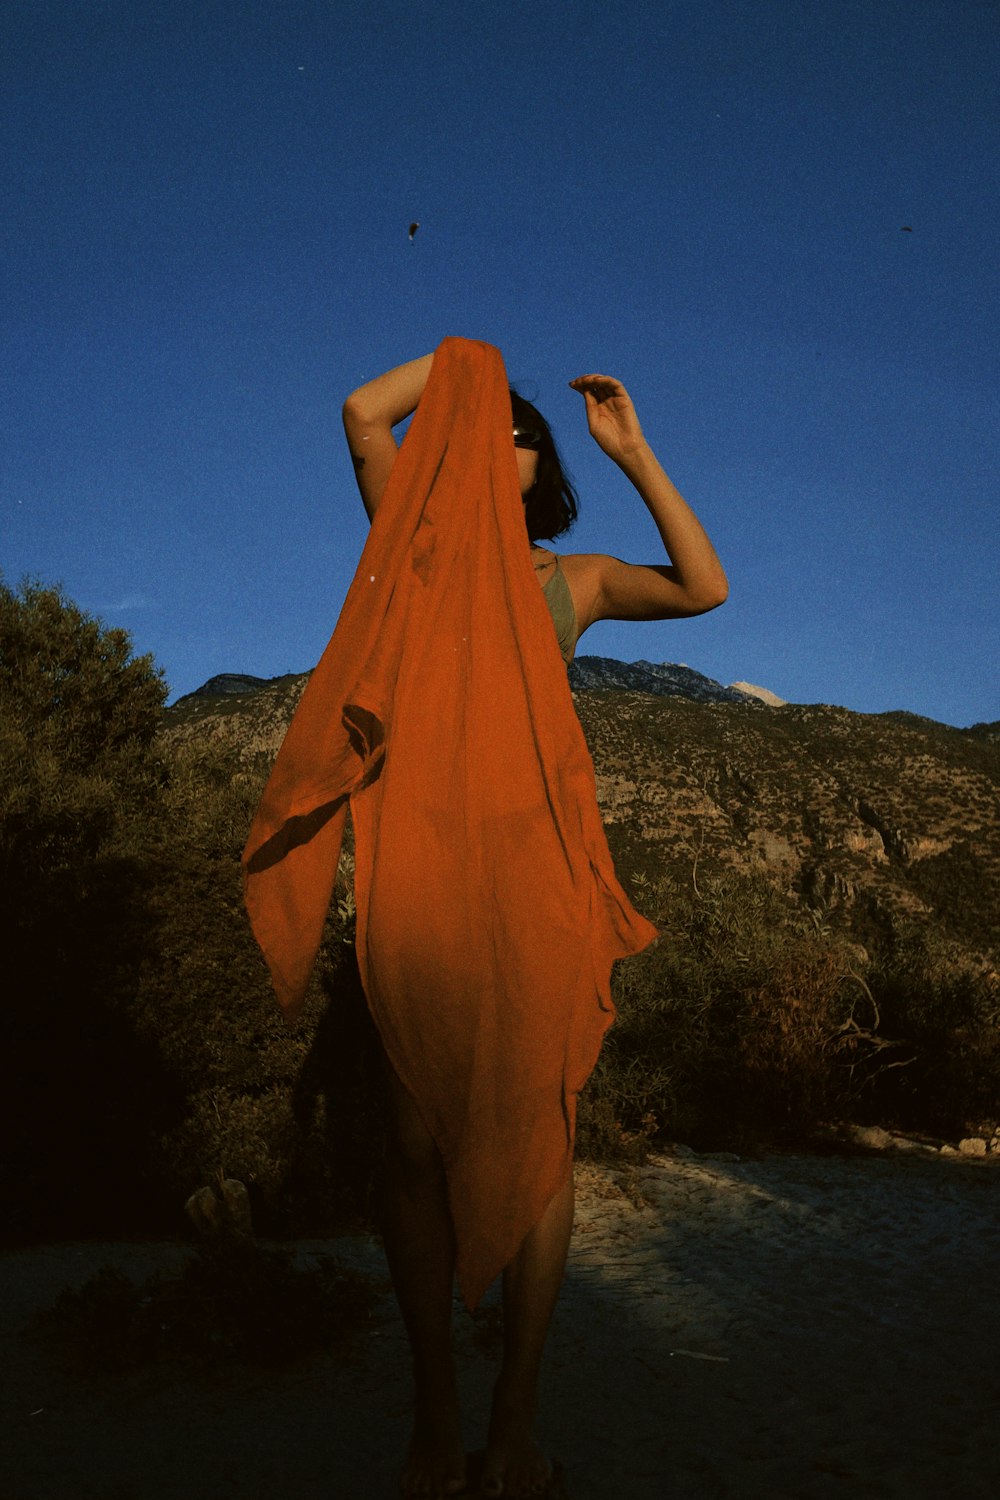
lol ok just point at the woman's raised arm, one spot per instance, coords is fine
(694, 580)
(370, 413)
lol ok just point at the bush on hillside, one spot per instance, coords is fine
(78, 717)
(946, 1011)
(750, 1021)
(79, 772)
(743, 1022)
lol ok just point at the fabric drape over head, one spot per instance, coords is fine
(488, 911)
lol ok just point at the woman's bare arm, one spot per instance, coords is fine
(608, 589)
(370, 413)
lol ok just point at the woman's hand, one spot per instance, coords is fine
(693, 581)
(611, 416)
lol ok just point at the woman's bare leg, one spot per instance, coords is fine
(514, 1465)
(420, 1248)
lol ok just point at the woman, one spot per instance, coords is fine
(579, 589)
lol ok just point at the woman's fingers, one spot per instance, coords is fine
(600, 386)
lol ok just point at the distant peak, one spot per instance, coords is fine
(663, 679)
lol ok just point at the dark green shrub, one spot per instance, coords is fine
(946, 1010)
(744, 1022)
(234, 1302)
(78, 767)
(78, 717)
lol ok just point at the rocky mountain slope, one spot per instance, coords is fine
(866, 817)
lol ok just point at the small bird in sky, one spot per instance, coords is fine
(906, 228)
(413, 229)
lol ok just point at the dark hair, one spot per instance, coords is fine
(550, 506)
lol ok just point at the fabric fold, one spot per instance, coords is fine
(488, 910)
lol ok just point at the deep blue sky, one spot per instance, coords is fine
(204, 210)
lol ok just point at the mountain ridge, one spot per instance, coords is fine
(868, 819)
(599, 674)
(586, 673)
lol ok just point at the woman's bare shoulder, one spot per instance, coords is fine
(583, 562)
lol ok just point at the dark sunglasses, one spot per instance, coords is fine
(527, 437)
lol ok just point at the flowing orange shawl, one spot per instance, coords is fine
(488, 911)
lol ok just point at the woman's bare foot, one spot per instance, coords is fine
(435, 1462)
(513, 1466)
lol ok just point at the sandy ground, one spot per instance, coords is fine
(794, 1326)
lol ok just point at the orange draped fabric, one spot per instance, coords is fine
(488, 911)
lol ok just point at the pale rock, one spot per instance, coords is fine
(224, 1209)
(973, 1145)
(205, 1211)
(872, 1136)
(236, 1205)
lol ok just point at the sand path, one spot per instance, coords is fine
(794, 1326)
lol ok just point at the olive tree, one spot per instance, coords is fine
(78, 716)
(80, 783)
